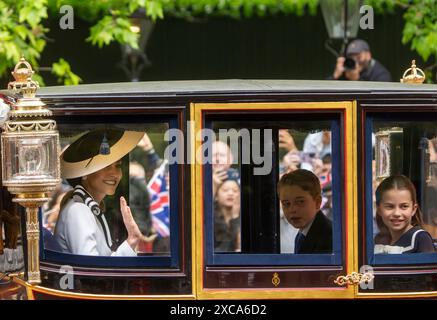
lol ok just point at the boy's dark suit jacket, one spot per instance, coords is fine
(319, 237)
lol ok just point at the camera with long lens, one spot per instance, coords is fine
(349, 64)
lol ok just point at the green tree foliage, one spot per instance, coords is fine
(420, 29)
(22, 30)
(22, 33)
(62, 71)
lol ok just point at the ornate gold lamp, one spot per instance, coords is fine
(415, 76)
(30, 157)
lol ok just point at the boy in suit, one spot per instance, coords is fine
(301, 197)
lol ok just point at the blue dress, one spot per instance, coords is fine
(415, 240)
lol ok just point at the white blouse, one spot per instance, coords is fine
(78, 231)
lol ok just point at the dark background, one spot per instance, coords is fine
(281, 47)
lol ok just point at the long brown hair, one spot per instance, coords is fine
(395, 182)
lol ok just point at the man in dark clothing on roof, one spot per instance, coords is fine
(359, 64)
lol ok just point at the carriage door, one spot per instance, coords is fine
(245, 244)
(398, 139)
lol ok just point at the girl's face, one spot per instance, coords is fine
(396, 209)
(104, 182)
(228, 193)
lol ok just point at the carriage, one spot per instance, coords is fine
(374, 130)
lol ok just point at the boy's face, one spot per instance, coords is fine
(298, 205)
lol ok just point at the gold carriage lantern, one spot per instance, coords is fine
(30, 157)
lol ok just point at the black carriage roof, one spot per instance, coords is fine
(195, 89)
(232, 86)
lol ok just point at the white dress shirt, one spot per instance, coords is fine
(288, 234)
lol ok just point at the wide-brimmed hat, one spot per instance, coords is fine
(84, 156)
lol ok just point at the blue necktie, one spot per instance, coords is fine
(298, 241)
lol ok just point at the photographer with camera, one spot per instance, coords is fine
(359, 65)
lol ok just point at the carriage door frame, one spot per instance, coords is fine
(348, 112)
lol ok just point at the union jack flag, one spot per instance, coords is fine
(159, 201)
(325, 180)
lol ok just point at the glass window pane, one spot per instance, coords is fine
(246, 164)
(309, 151)
(403, 187)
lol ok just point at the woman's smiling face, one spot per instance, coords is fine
(397, 209)
(104, 182)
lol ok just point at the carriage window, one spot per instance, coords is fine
(111, 173)
(403, 190)
(251, 215)
(309, 151)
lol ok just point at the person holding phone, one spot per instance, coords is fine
(222, 160)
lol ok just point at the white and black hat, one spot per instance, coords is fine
(96, 150)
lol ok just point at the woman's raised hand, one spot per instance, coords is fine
(134, 234)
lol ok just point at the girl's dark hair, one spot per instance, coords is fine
(397, 182)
